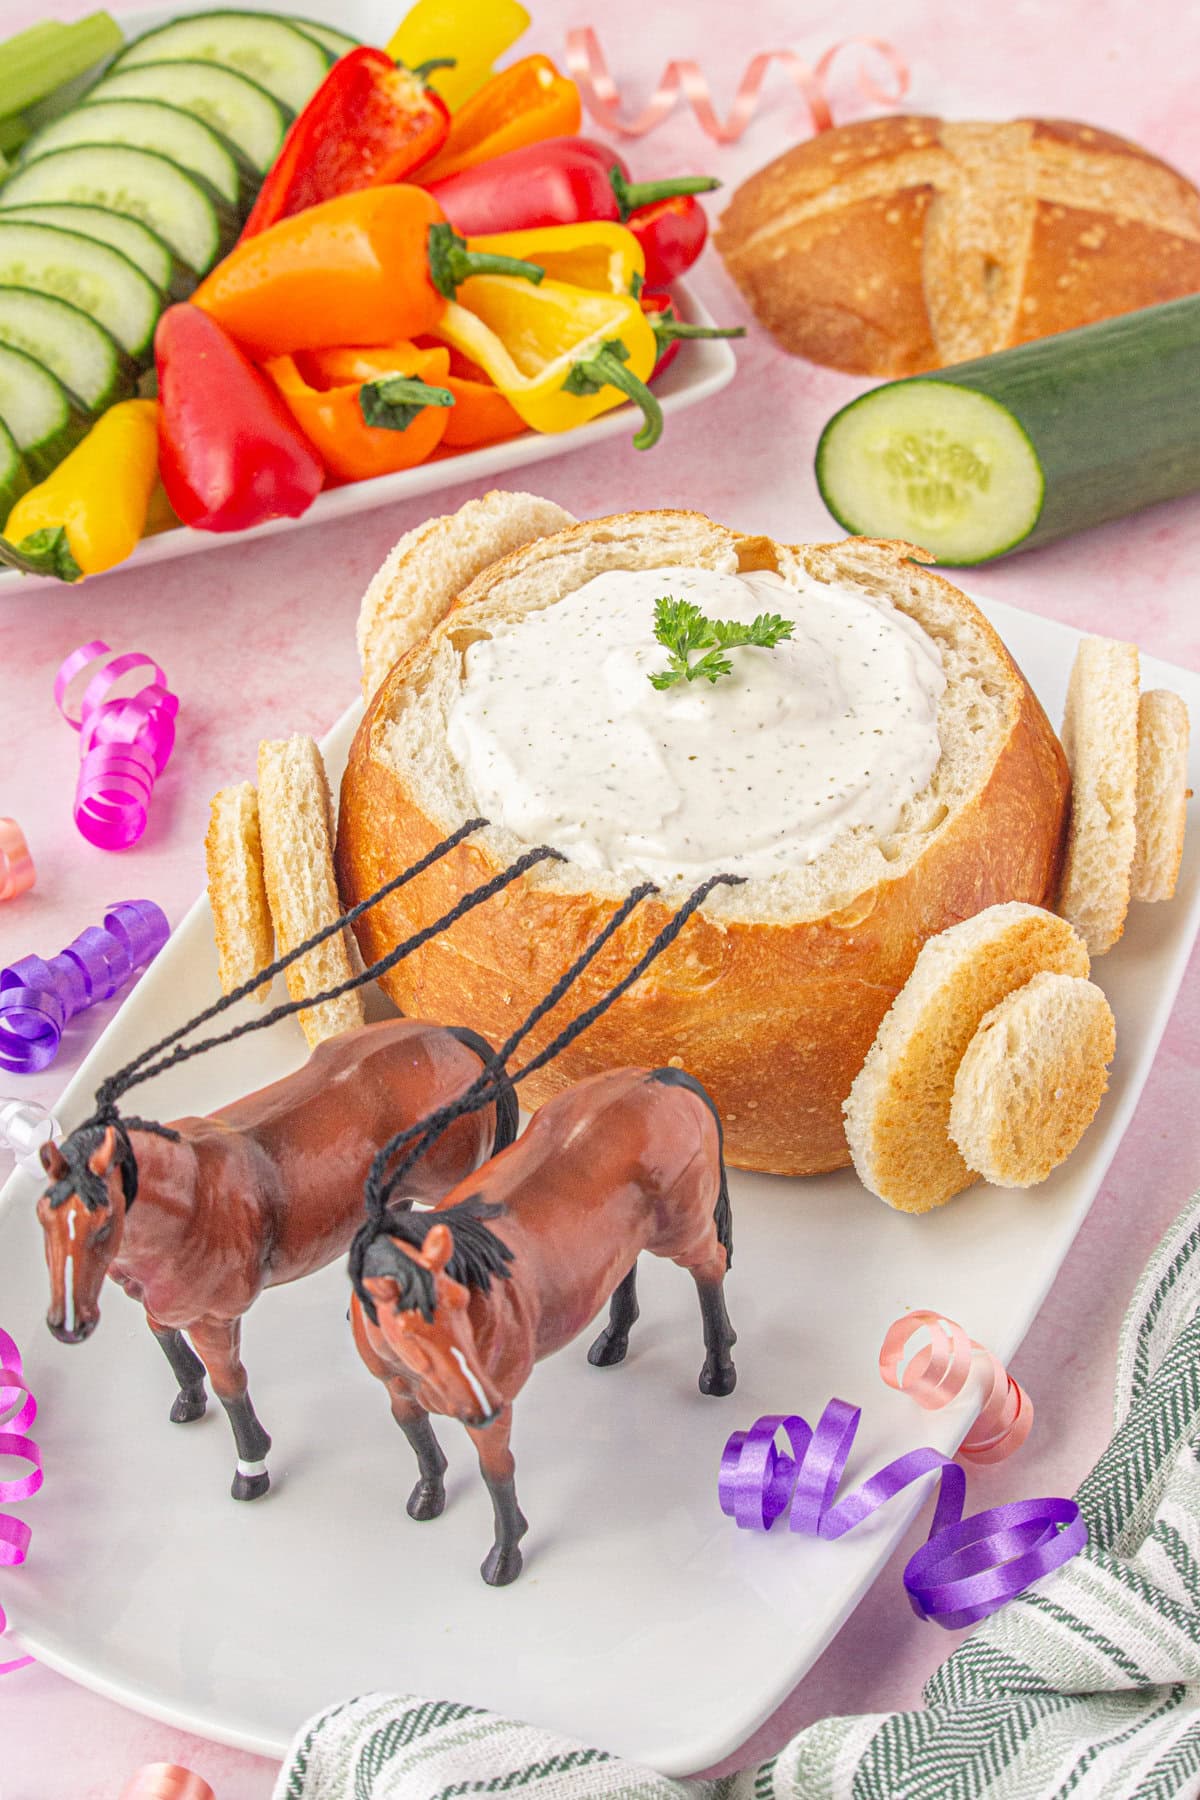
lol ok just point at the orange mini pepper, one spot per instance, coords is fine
(521, 105)
(367, 412)
(372, 267)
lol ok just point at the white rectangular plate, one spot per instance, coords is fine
(644, 1622)
(703, 367)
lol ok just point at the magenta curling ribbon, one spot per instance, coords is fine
(37, 998)
(15, 1398)
(966, 1569)
(124, 744)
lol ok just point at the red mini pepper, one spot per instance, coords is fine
(670, 330)
(569, 180)
(229, 453)
(369, 123)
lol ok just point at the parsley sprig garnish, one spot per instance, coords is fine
(682, 628)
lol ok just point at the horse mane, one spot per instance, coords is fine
(477, 1257)
(76, 1151)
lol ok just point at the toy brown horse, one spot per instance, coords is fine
(257, 1194)
(457, 1304)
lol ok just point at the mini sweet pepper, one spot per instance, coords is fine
(372, 267)
(558, 354)
(523, 104)
(367, 412)
(598, 254)
(474, 32)
(230, 453)
(90, 512)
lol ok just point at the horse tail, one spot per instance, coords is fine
(722, 1212)
(508, 1108)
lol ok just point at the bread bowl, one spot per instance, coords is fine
(772, 995)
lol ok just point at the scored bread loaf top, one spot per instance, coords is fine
(897, 245)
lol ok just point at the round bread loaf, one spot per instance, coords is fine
(902, 244)
(772, 994)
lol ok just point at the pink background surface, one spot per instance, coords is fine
(258, 641)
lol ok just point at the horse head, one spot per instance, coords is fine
(82, 1214)
(423, 1316)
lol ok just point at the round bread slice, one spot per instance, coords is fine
(236, 892)
(296, 820)
(773, 992)
(1032, 1079)
(898, 1110)
(1162, 794)
(1100, 737)
(429, 568)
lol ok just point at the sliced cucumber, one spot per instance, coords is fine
(336, 42)
(181, 208)
(147, 125)
(91, 276)
(1027, 445)
(136, 241)
(284, 60)
(14, 476)
(244, 113)
(45, 420)
(87, 359)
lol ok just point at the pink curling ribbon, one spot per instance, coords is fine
(167, 1781)
(18, 1410)
(937, 1373)
(589, 68)
(17, 873)
(124, 744)
(37, 998)
(966, 1569)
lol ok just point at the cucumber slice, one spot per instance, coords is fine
(336, 42)
(284, 60)
(87, 359)
(252, 120)
(147, 125)
(181, 208)
(91, 276)
(1025, 446)
(133, 239)
(14, 477)
(45, 420)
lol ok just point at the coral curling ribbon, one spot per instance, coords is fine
(937, 1372)
(17, 873)
(37, 998)
(124, 744)
(590, 71)
(18, 1410)
(966, 1569)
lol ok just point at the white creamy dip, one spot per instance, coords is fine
(562, 738)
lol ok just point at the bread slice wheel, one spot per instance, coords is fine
(898, 1110)
(1162, 794)
(296, 820)
(1100, 737)
(236, 892)
(1032, 1079)
(428, 569)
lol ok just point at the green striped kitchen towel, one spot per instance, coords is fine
(1086, 1685)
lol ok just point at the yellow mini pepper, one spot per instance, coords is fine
(474, 32)
(90, 513)
(559, 354)
(599, 254)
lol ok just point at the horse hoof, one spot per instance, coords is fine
(250, 1487)
(718, 1381)
(190, 1403)
(609, 1348)
(427, 1500)
(501, 1566)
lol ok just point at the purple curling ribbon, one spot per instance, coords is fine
(966, 1569)
(37, 998)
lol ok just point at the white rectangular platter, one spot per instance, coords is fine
(644, 1622)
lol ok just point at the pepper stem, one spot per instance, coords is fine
(632, 194)
(606, 367)
(392, 402)
(46, 552)
(451, 263)
(667, 328)
(424, 70)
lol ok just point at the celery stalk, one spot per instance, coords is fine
(35, 63)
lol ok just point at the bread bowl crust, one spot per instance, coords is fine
(774, 1019)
